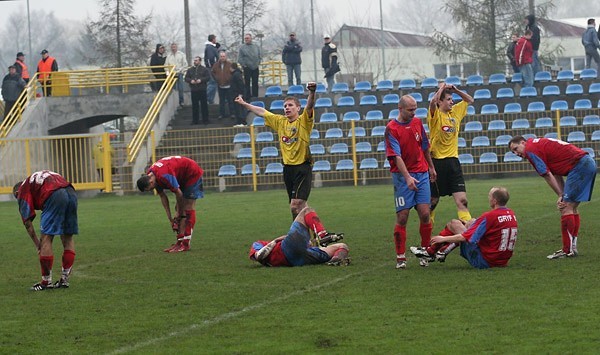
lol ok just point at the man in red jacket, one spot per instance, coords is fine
(524, 58)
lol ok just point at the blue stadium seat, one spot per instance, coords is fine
(227, 170)
(386, 164)
(323, 102)
(536, 106)
(456, 97)
(384, 85)
(551, 90)
(488, 109)
(497, 78)
(328, 117)
(591, 120)
(274, 168)
(482, 94)
(321, 89)
(582, 104)
(430, 96)
(470, 110)
(517, 78)
(473, 126)
(244, 153)
(258, 103)
(381, 146)
(303, 102)
(528, 91)
(510, 157)
(276, 105)
(576, 136)
(407, 84)
(594, 88)
(378, 131)
(452, 80)
(513, 107)
(565, 75)
(393, 113)
(421, 112)
(368, 163)
(462, 143)
(314, 134)
(529, 135)
(359, 131)
(258, 121)
(426, 127)
(588, 74)
(317, 149)
(339, 148)
(241, 138)
(339, 88)
(247, 169)
(474, 80)
(559, 105)
(574, 89)
(488, 157)
(265, 137)
(368, 100)
(503, 140)
(429, 83)
(505, 93)
(466, 158)
(296, 90)
(480, 141)
(568, 121)
(417, 96)
(391, 99)
(273, 91)
(542, 76)
(544, 122)
(351, 116)
(344, 164)
(345, 101)
(552, 135)
(496, 125)
(363, 147)
(596, 135)
(362, 86)
(334, 132)
(269, 152)
(590, 151)
(374, 115)
(520, 123)
(321, 165)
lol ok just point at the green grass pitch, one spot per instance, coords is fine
(127, 296)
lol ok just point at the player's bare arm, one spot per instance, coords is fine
(464, 96)
(164, 200)
(436, 99)
(457, 238)
(431, 168)
(410, 181)
(259, 111)
(31, 231)
(310, 102)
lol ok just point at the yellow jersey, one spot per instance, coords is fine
(443, 131)
(294, 137)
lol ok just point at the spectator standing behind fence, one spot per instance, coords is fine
(510, 52)
(22, 67)
(45, 67)
(290, 56)
(198, 77)
(591, 43)
(524, 58)
(237, 89)
(221, 71)
(177, 59)
(211, 55)
(12, 86)
(156, 59)
(249, 59)
(535, 42)
(329, 61)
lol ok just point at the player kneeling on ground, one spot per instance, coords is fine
(294, 249)
(55, 197)
(487, 242)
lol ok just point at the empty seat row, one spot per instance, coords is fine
(231, 170)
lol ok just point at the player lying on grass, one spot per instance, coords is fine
(294, 249)
(486, 242)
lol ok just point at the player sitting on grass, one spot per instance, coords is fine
(294, 249)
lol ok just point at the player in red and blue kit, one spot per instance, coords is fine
(488, 242)
(294, 249)
(407, 149)
(183, 176)
(55, 197)
(553, 159)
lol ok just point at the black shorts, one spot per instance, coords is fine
(298, 180)
(449, 177)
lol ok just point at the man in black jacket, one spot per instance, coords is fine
(510, 52)
(156, 59)
(198, 76)
(211, 55)
(329, 62)
(290, 56)
(12, 86)
(535, 41)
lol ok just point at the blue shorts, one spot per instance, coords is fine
(193, 192)
(297, 250)
(406, 198)
(580, 181)
(473, 255)
(59, 214)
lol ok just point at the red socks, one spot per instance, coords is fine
(68, 258)
(425, 232)
(568, 230)
(314, 223)
(400, 239)
(46, 265)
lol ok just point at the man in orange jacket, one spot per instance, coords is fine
(46, 65)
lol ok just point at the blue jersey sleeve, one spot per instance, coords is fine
(538, 164)
(477, 230)
(394, 145)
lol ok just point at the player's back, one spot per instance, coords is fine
(498, 242)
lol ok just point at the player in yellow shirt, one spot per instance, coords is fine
(293, 130)
(444, 124)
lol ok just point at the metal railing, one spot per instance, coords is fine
(272, 72)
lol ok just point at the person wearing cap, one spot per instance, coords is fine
(12, 86)
(46, 65)
(22, 67)
(290, 56)
(329, 61)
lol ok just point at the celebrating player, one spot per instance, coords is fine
(553, 159)
(183, 176)
(294, 248)
(55, 197)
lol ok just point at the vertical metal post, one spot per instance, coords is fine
(188, 36)
(313, 44)
(253, 161)
(30, 54)
(381, 40)
(107, 162)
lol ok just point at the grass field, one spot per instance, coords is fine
(127, 296)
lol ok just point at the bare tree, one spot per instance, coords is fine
(243, 17)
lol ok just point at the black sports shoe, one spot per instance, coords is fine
(61, 284)
(330, 238)
(41, 287)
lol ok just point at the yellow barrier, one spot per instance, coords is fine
(272, 72)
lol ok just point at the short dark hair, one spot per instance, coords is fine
(501, 195)
(16, 188)
(516, 140)
(211, 38)
(143, 183)
(528, 33)
(591, 21)
(234, 65)
(292, 98)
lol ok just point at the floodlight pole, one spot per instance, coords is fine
(30, 54)
(312, 21)
(381, 41)
(188, 36)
